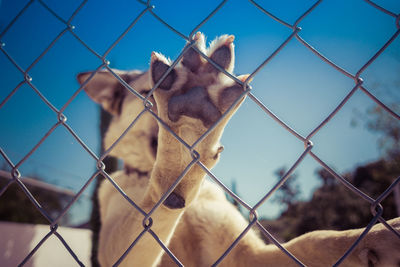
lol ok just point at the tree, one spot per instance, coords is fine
(380, 121)
(289, 192)
(334, 206)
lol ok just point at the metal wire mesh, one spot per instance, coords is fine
(148, 8)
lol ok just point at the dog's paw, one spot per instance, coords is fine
(195, 92)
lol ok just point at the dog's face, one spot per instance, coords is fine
(138, 147)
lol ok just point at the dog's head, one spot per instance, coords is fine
(138, 147)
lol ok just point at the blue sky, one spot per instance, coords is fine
(296, 85)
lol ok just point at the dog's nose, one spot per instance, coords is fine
(174, 201)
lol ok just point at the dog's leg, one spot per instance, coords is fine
(211, 224)
(380, 247)
(189, 100)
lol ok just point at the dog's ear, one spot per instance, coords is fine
(158, 66)
(105, 89)
(221, 51)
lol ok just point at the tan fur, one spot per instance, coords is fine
(199, 233)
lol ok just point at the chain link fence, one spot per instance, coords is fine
(148, 8)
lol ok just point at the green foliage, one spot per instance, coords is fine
(334, 206)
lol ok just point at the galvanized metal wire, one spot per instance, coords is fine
(148, 8)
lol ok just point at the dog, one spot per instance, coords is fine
(195, 221)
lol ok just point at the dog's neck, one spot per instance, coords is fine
(132, 170)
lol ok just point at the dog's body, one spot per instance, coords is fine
(195, 221)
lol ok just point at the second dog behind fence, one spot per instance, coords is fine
(170, 200)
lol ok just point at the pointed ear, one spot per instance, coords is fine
(192, 59)
(158, 66)
(221, 51)
(105, 89)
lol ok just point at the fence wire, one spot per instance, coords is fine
(376, 208)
